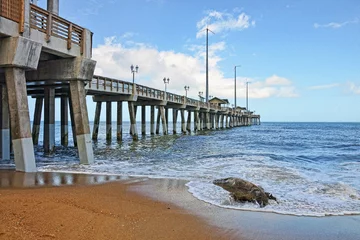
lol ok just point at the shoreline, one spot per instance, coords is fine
(220, 222)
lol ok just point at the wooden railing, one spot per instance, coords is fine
(11, 9)
(53, 25)
(110, 85)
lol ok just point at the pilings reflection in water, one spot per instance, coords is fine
(11, 179)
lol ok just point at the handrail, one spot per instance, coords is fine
(12, 9)
(106, 84)
(53, 25)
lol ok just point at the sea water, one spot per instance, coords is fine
(312, 168)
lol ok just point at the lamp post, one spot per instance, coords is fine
(200, 96)
(235, 82)
(134, 70)
(207, 63)
(247, 97)
(166, 81)
(186, 90)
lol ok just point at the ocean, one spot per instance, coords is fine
(312, 168)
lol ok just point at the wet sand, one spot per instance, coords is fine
(32, 207)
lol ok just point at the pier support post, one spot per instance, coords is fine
(82, 128)
(167, 119)
(175, 112)
(188, 124)
(135, 111)
(195, 121)
(158, 121)
(183, 124)
(119, 121)
(96, 121)
(64, 109)
(20, 120)
(108, 121)
(4, 125)
(226, 121)
(72, 122)
(208, 126)
(163, 119)
(133, 128)
(212, 119)
(152, 120)
(143, 120)
(201, 119)
(37, 120)
(217, 118)
(49, 119)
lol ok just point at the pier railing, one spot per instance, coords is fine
(110, 85)
(44, 21)
(11, 9)
(53, 25)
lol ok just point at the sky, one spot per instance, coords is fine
(301, 58)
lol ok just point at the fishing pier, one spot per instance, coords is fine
(44, 56)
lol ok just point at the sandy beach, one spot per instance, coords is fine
(104, 211)
(81, 206)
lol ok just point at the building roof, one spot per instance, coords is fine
(218, 100)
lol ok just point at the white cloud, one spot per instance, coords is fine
(335, 24)
(354, 88)
(114, 59)
(276, 80)
(326, 86)
(221, 21)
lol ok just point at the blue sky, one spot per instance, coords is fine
(302, 58)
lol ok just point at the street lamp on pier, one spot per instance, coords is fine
(247, 96)
(235, 82)
(166, 81)
(134, 70)
(186, 90)
(200, 96)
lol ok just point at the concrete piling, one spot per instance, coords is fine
(37, 120)
(20, 120)
(183, 124)
(82, 128)
(4, 125)
(108, 121)
(133, 128)
(119, 121)
(143, 120)
(49, 119)
(175, 113)
(64, 105)
(96, 121)
(188, 123)
(152, 120)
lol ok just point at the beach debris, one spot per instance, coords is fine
(245, 191)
